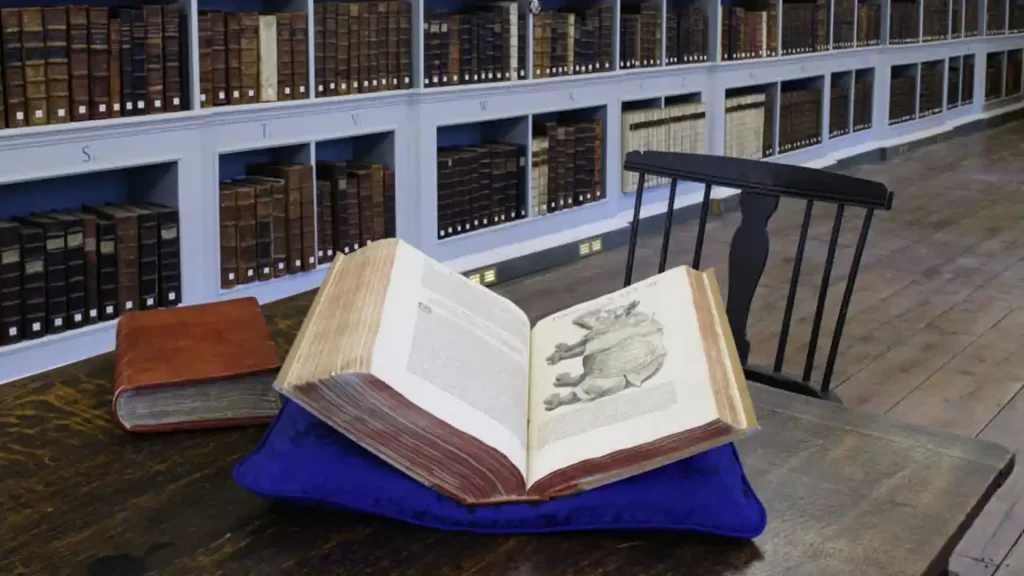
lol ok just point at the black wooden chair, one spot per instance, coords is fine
(762, 184)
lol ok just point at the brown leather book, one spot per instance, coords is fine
(285, 76)
(90, 250)
(58, 86)
(291, 175)
(405, 44)
(330, 48)
(114, 65)
(264, 225)
(170, 253)
(173, 69)
(191, 367)
(74, 268)
(126, 251)
(410, 369)
(99, 63)
(33, 53)
(205, 60)
(245, 226)
(149, 256)
(154, 54)
(219, 58)
(355, 85)
(14, 68)
(228, 235)
(342, 71)
(55, 270)
(319, 62)
(249, 43)
(140, 68)
(300, 56)
(389, 203)
(233, 37)
(10, 283)
(33, 281)
(278, 221)
(325, 222)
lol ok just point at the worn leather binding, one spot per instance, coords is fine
(90, 250)
(264, 225)
(228, 236)
(405, 44)
(285, 76)
(33, 52)
(14, 68)
(279, 222)
(170, 250)
(249, 43)
(335, 174)
(58, 88)
(149, 254)
(354, 48)
(78, 57)
(341, 72)
(220, 58)
(245, 229)
(140, 51)
(300, 56)
(291, 175)
(127, 95)
(267, 61)
(319, 33)
(126, 251)
(99, 63)
(114, 64)
(233, 36)
(54, 277)
(172, 68)
(10, 283)
(325, 223)
(205, 60)
(106, 264)
(200, 344)
(33, 281)
(154, 59)
(74, 268)
(389, 203)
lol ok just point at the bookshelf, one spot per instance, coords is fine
(995, 68)
(1014, 60)
(931, 82)
(954, 80)
(184, 154)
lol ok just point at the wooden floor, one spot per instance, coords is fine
(935, 334)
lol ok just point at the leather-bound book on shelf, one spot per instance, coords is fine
(99, 63)
(448, 382)
(14, 67)
(58, 87)
(10, 283)
(191, 367)
(300, 56)
(33, 54)
(172, 27)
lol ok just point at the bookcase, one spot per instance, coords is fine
(337, 123)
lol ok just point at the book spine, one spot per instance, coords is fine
(172, 67)
(245, 225)
(325, 222)
(114, 65)
(58, 87)
(140, 49)
(90, 250)
(33, 58)
(300, 56)
(267, 60)
(106, 257)
(265, 232)
(285, 74)
(233, 38)
(280, 228)
(148, 260)
(250, 55)
(220, 59)
(127, 251)
(228, 237)
(99, 63)
(154, 59)
(10, 284)
(205, 42)
(14, 67)
(74, 254)
(33, 282)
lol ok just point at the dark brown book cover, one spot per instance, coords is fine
(219, 57)
(99, 63)
(14, 68)
(33, 54)
(55, 270)
(10, 283)
(90, 249)
(307, 193)
(228, 235)
(74, 268)
(343, 42)
(172, 65)
(233, 36)
(78, 54)
(155, 93)
(330, 49)
(189, 346)
(262, 226)
(354, 48)
(126, 250)
(58, 83)
(285, 74)
(325, 222)
(291, 174)
(249, 42)
(205, 60)
(389, 203)
(405, 44)
(245, 230)
(344, 206)
(106, 264)
(127, 74)
(114, 65)
(33, 281)
(140, 69)
(170, 253)
(300, 56)
(319, 31)
(149, 256)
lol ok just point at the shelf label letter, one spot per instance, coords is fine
(483, 105)
(355, 118)
(266, 130)
(572, 97)
(87, 155)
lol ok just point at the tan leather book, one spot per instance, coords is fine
(268, 58)
(205, 366)
(447, 380)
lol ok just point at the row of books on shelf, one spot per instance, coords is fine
(362, 47)
(68, 64)
(752, 32)
(66, 269)
(674, 128)
(275, 221)
(930, 97)
(839, 110)
(482, 44)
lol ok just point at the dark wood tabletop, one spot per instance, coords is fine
(847, 493)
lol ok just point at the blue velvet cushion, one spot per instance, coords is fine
(302, 459)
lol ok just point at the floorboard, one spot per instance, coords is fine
(936, 323)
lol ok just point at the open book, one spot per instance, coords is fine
(446, 380)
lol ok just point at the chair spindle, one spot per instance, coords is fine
(699, 247)
(844, 306)
(787, 315)
(634, 227)
(819, 310)
(668, 225)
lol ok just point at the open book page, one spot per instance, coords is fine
(617, 372)
(456, 350)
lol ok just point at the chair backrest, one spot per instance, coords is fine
(762, 184)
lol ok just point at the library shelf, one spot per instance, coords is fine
(196, 138)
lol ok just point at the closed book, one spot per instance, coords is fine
(114, 65)
(54, 270)
(268, 75)
(124, 225)
(278, 220)
(149, 256)
(300, 56)
(154, 59)
(99, 63)
(58, 82)
(10, 283)
(14, 68)
(172, 64)
(74, 268)
(233, 39)
(205, 60)
(285, 77)
(90, 250)
(33, 54)
(33, 281)
(249, 43)
(191, 367)
(170, 253)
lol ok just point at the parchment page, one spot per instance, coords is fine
(457, 350)
(629, 368)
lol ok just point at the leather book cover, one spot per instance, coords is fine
(33, 281)
(290, 175)
(90, 249)
(219, 58)
(245, 230)
(354, 237)
(278, 221)
(74, 268)
(127, 95)
(405, 44)
(149, 256)
(205, 60)
(330, 48)
(114, 64)
(58, 83)
(228, 236)
(264, 222)
(307, 195)
(233, 38)
(99, 63)
(335, 174)
(444, 185)
(393, 75)
(106, 267)
(369, 47)
(55, 272)
(191, 345)
(10, 283)
(172, 65)
(343, 43)
(300, 56)
(378, 45)
(268, 75)
(33, 57)
(126, 251)
(285, 75)
(170, 253)
(3, 113)
(389, 203)
(140, 51)
(354, 55)
(325, 222)
(319, 30)
(365, 195)
(249, 43)
(366, 56)
(154, 59)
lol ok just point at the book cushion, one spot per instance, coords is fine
(302, 459)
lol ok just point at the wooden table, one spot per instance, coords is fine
(847, 493)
